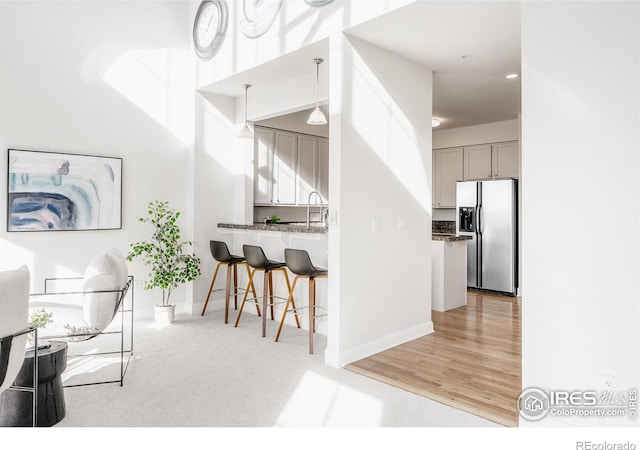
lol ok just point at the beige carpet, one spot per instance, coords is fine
(199, 372)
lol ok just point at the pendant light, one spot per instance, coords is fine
(317, 117)
(245, 132)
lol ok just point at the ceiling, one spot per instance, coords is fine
(467, 90)
(469, 45)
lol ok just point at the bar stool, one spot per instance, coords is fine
(258, 261)
(299, 262)
(220, 253)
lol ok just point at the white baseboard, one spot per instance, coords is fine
(340, 359)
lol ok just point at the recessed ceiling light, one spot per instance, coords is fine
(511, 76)
(435, 123)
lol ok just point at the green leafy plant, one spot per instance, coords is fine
(164, 252)
(275, 219)
(40, 318)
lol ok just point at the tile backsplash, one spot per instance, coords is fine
(443, 227)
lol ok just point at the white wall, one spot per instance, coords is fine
(580, 159)
(380, 175)
(100, 78)
(296, 25)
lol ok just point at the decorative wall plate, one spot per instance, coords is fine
(210, 27)
(257, 16)
(318, 2)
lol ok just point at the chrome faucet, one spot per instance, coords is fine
(309, 206)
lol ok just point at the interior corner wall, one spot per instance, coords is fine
(581, 181)
(380, 190)
(98, 78)
(219, 180)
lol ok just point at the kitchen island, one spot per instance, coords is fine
(274, 238)
(448, 271)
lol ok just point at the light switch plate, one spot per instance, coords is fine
(402, 223)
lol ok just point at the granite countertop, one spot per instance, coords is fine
(449, 237)
(296, 227)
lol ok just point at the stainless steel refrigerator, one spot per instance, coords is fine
(487, 211)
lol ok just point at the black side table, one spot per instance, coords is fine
(16, 407)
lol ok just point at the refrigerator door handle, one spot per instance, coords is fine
(480, 243)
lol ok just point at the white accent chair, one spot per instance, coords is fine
(84, 308)
(14, 327)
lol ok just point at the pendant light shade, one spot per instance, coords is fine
(245, 131)
(317, 117)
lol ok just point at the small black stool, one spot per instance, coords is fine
(258, 261)
(16, 409)
(220, 253)
(299, 262)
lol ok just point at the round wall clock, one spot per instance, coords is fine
(257, 16)
(318, 2)
(210, 27)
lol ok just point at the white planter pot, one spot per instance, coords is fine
(164, 315)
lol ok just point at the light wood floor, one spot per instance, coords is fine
(472, 362)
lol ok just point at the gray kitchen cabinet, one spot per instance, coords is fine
(506, 160)
(264, 145)
(323, 169)
(448, 168)
(285, 160)
(307, 171)
(288, 167)
(477, 162)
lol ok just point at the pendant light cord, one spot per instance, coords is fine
(318, 61)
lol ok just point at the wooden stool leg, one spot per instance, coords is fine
(265, 294)
(235, 286)
(293, 302)
(253, 289)
(286, 308)
(246, 293)
(312, 312)
(213, 280)
(271, 292)
(227, 294)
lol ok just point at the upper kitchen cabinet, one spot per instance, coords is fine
(313, 168)
(264, 145)
(285, 159)
(448, 168)
(505, 160)
(323, 168)
(288, 167)
(477, 162)
(307, 172)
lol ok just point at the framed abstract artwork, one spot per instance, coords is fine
(63, 191)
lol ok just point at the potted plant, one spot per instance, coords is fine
(164, 252)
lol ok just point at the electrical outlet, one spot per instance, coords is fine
(609, 383)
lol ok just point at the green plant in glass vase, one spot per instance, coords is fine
(170, 265)
(39, 318)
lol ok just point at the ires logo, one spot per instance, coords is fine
(535, 404)
(560, 398)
